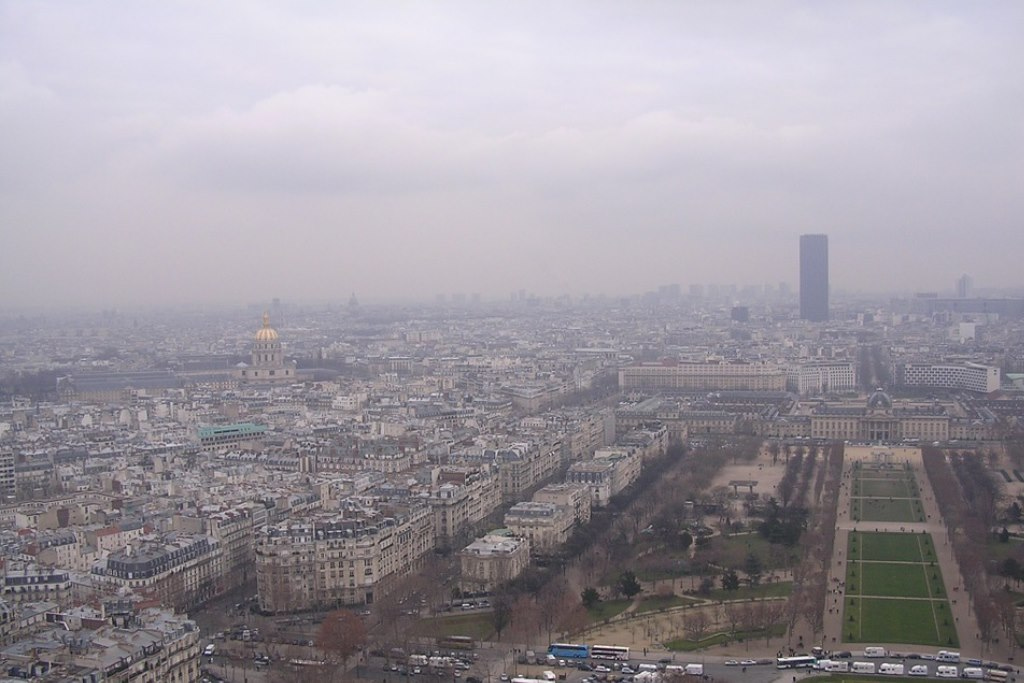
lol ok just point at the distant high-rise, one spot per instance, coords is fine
(814, 277)
(963, 286)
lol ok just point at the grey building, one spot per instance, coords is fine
(814, 277)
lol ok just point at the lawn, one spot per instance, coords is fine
(607, 609)
(1000, 551)
(887, 488)
(890, 547)
(658, 603)
(477, 626)
(765, 590)
(879, 620)
(732, 551)
(684, 645)
(888, 579)
(885, 510)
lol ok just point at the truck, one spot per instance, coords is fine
(694, 669)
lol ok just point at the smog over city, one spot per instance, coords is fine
(597, 342)
(220, 153)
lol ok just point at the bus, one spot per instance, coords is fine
(455, 643)
(798, 662)
(568, 651)
(617, 652)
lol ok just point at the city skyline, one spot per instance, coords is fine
(243, 151)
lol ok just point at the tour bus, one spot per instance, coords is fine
(455, 643)
(947, 672)
(617, 652)
(947, 656)
(875, 652)
(863, 668)
(568, 651)
(798, 662)
(891, 669)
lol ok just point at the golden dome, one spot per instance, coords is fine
(267, 333)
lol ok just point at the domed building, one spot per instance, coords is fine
(268, 364)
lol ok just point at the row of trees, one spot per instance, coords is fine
(968, 532)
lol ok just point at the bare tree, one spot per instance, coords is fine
(341, 634)
(696, 623)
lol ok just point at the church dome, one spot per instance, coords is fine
(880, 400)
(266, 333)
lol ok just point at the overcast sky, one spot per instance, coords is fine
(198, 152)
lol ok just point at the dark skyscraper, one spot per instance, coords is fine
(814, 277)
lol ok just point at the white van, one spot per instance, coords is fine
(647, 667)
(840, 666)
(675, 669)
(947, 671)
(694, 669)
(875, 652)
(973, 672)
(947, 656)
(891, 669)
(863, 668)
(918, 670)
(549, 676)
(209, 650)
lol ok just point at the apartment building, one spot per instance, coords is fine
(328, 560)
(711, 375)
(180, 571)
(975, 377)
(461, 498)
(545, 525)
(488, 562)
(576, 497)
(29, 582)
(822, 377)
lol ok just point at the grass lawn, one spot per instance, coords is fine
(890, 547)
(643, 574)
(888, 579)
(732, 551)
(887, 488)
(607, 609)
(885, 510)
(1000, 551)
(683, 645)
(922, 622)
(477, 626)
(658, 603)
(766, 590)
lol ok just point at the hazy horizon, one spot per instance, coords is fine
(173, 153)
